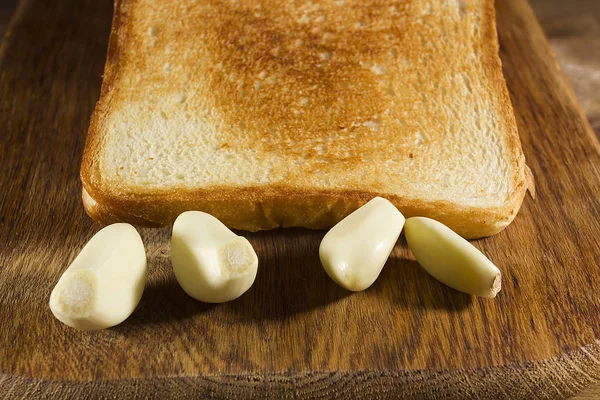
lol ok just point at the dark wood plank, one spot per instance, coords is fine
(295, 333)
(573, 29)
(7, 8)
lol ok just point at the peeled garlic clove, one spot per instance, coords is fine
(211, 263)
(451, 259)
(105, 282)
(355, 250)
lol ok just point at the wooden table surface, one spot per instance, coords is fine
(545, 314)
(573, 30)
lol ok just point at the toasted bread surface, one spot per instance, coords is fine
(270, 113)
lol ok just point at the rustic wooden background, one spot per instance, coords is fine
(574, 31)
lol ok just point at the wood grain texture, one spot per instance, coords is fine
(295, 334)
(7, 8)
(573, 29)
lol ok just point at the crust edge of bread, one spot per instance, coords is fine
(310, 210)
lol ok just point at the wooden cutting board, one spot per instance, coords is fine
(295, 334)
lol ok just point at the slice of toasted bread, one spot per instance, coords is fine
(269, 113)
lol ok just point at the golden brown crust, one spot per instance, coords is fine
(106, 215)
(530, 179)
(93, 140)
(493, 66)
(258, 208)
(248, 210)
